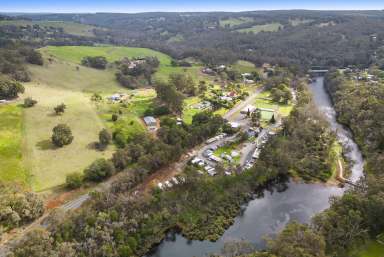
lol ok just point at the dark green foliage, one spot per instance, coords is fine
(114, 117)
(10, 89)
(104, 138)
(170, 97)
(99, 170)
(62, 135)
(59, 109)
(183, 83)
(74, 180)
(18, 206)
(131, 71)
(34, 57)
(29, 102)
(97, 62)
(297, 240)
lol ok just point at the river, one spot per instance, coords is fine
(268, 214)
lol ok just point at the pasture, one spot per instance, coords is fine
(11, 127)
(75, 54)
(270, 27)
(49, 165)
(73, 28)
(234, 21)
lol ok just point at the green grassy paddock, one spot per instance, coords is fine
(11, 126)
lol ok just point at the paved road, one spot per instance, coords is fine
(234, 113)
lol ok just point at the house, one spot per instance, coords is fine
(226, 98)
(208, 71)
(115, 97)
(249, 81)
(150, 122)
(234, 125)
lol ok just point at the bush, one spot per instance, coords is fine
(74, 180)
(29, 102)
(60, 109)
(104, 138)
(99, 170)
(34, 57)
(97, 62)
(10, 89)
(114, 117)
(62, 135)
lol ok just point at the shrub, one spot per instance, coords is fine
(60, 109)
(104, 138)
(74, 180)
(97, 62)
(62, 135)
(114, 117)
(99, 170)
(29, 102)
(10, 89)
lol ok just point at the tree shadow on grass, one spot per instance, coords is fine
(46, 145)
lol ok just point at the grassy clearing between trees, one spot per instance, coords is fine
(264, 101)
(75, 54)
(11, 163)
(73, 28)
(270, 27)
(47, 164)
(235, 21)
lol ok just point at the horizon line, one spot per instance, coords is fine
(210, 11)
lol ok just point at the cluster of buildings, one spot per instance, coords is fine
(118, 97)
(171, 182)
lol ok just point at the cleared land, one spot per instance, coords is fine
(47, 164)
(235, 21)
(270, 27)
(297, 22)
(75, 54)
(73, 28)
(264, 101)
(11, 163)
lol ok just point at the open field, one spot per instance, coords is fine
(244, 66)
(47, 164)
(297, 22)
(263, 101)
(235, 21)
(270, 27)
(64, 75)
(73, 28)
(11, 164)
(75, 54)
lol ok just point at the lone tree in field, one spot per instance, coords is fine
(60, 109)
(104, 139)
(62, 135)
(29, 102)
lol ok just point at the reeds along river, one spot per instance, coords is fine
(270, 212)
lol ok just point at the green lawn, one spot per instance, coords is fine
(235, 21)
(264, 101)
(270, 27)
(371, 249)
(129, 122)
(73, 28)
(11, 164)
(244, 66)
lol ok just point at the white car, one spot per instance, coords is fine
(175, 181)
(168, 184)
(160, 185)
